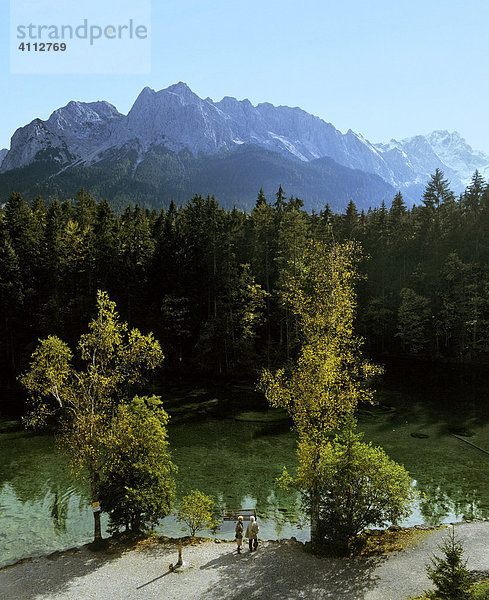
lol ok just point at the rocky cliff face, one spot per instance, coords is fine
(66, 137)
(3, 154)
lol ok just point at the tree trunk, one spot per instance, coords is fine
(315, 535)
(97, 529)
(267, 288)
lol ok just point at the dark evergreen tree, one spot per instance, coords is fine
(450, 575)
(280, 202)
(261, 199)
(350, 222)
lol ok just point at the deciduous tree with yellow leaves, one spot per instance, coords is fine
(79, 392)
(323, 386)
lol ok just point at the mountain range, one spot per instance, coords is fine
(174, 144)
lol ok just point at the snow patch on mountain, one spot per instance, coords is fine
(414, 159)
(456, 153)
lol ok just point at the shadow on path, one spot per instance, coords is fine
(33, 576)
(274, 573)
(152, 580)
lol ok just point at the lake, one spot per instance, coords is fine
(42, 508)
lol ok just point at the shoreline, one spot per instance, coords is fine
(130, 542)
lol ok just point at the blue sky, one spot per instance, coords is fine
(382, 68)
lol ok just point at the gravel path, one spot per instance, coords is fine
(277, 571)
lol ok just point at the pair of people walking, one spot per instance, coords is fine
(251, 533)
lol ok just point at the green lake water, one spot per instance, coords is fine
(42, 508)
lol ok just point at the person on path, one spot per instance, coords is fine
(239, 533)
(252, 534)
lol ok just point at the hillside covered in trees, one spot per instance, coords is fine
(208, 282)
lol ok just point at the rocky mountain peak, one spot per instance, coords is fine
(79, 115)
(180, 88)
(458, 155)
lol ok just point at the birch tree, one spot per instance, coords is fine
(79, 392)
(322, 387)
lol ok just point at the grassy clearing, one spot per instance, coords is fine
(380, 542)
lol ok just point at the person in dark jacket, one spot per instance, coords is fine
(239, 533)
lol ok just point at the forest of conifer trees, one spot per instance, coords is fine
(208, 281)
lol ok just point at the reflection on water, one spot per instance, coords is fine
(452, 477)
(237, 463)
(29, 529)
(42, 508)
(59, 512)
(428, 403)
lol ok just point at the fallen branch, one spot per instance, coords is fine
(469, 443)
